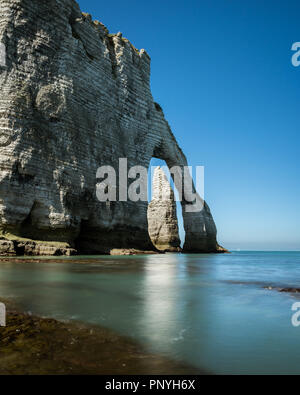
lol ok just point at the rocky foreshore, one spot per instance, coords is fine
(34, 248)
(284, 289)
(23, 247)
(34, 345)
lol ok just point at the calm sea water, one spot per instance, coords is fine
(209, 310)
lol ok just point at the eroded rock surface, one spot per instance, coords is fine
(34, 248)
(162, 215)
(73, 98)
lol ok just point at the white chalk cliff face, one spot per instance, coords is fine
(162, 216)
(73, 98)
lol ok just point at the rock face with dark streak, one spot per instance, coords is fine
(73, 98)
(162, 216)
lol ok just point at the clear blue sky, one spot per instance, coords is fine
(221, 69)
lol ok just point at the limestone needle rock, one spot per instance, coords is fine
(74, 98)
(162, 216)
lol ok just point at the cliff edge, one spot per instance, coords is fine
(74, 98)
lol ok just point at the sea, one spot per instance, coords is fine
(220, 312)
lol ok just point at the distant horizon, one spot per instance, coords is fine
(242, 250)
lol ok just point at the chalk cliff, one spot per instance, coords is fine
(162, 215)
(73, 98)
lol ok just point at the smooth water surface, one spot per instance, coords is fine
(211, 311)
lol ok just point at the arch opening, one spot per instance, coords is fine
(165, 220)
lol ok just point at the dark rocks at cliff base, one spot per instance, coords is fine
(34, 248)
(287, 290)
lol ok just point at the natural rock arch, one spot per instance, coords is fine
(76, 98)
(200, 228)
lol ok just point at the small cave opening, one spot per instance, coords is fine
(27, 228)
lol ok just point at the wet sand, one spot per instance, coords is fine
(34, 345)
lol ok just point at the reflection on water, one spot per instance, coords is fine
(209, 310)
(158, 313)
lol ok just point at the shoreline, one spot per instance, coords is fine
(13, 246)
(40, 346)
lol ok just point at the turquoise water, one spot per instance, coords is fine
(209, 310)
